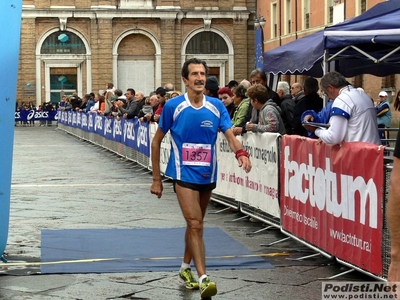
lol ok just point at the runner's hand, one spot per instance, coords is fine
(157, 188)
(245, 163)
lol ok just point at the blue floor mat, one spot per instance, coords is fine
(138, 250)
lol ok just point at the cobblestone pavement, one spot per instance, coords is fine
(62, 182)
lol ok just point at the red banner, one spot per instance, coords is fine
(331, 197)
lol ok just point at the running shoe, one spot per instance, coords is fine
(187, 278)
(207, 288)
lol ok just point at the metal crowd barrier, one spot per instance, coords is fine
(136, 156)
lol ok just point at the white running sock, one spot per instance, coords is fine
(201, 278)
(184, 266)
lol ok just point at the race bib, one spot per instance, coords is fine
(196, 154)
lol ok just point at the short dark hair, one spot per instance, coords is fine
(161, 91)
(196, 61)
(232, 83)
(311, 85)
(132, 91)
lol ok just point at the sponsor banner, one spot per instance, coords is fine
(259, 188)
(130, 132)
(34, 115)
(331, 197)
(165, 149)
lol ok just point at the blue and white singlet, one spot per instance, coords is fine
(194, 132)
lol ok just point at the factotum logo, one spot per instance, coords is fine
(63, 38)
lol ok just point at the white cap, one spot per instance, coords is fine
(383, 94)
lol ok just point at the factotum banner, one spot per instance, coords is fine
(331, 197)
(259, 188)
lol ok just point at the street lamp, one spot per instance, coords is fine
(259, 22)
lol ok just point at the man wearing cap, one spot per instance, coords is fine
(384, 114)
(211, 88)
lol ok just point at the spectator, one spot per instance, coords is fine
(109, 88)
(130, 111)
(242, 106)
(162, 98)
(85, 101)
(310, 101)
(287, 105)
(353, 117)
(175, 94)
(90, 102)
(140, 101)
(96, 104)
(231, 84)
(211, 88)
(75, 101)
(397, 101)
(225, 95)
(270, 119)
(146, 115)
(297, 91)
(384, 115)
(258, 76)
(169, 87)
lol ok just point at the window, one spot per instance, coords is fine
(388, 82)
(63, 42)
(135, 4)
(330, 15)
(306, 14)
(363, 6)
(288, 16)
(207, 42)
(274, 20)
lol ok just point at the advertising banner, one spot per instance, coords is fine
(33, 115)
(331, 197)
(259, 188)
(130, 132)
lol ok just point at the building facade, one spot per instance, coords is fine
(287, 20)
(80, 45)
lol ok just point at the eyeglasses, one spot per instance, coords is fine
(293, 87)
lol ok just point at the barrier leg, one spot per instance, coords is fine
(238, 219)
(337, 275)
(276, 242)
(219, 211)
(260, 230)
(304, 257)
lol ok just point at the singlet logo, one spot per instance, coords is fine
(206, 123)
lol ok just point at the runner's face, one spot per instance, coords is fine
(196, 78)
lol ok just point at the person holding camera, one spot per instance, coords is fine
(146, 114)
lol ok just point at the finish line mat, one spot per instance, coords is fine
(138, 250)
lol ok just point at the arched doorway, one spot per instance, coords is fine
(64, 54)
(215, 48)
(137, 62)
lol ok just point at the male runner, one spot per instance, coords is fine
(194, 120)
